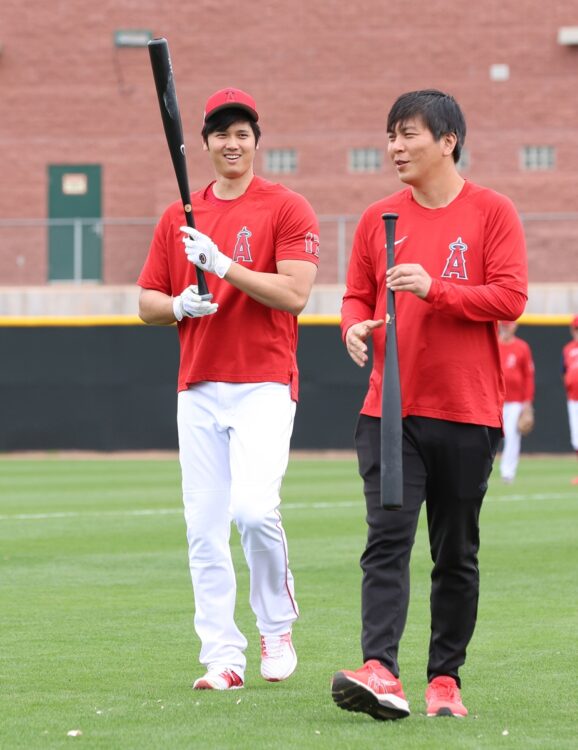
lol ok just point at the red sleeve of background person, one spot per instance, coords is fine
(448, 347)
(518, 369)
(245, 341)
(570, 364)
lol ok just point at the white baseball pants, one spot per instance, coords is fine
(234, 449)
(512, 440)
(573, 422)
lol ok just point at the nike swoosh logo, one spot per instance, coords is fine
(398, 242)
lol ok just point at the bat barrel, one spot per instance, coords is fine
(171, 117)
(391, 424)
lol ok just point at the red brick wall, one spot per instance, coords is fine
(324, 75)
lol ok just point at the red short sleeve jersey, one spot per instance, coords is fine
(570, 368)
(474, 250)
(518, 369)
(245, 341)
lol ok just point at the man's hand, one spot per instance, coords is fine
(202, 251)
(526, 419)
(355, 340)
(408, 277)
(190, 305)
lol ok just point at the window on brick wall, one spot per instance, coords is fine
(281, 160)
(533, 158)
(365, 159)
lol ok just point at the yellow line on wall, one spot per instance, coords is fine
(36, 321)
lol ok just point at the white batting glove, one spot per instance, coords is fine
(202, 251)
(190, 305)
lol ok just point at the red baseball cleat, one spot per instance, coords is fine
(278, 657)
(219, 680)
(372, 690)
(443, 698)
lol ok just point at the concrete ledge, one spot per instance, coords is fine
(94, 299)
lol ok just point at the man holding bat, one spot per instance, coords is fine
(238, 382)
(460, 266)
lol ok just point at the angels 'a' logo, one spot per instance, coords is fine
(312, 244)
(456, 262)
(242, 251)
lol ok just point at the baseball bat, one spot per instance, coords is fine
(171, 116)
(391, 425)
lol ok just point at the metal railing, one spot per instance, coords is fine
(123, 243)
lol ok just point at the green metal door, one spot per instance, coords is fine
(75, 229)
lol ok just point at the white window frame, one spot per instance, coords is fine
(280, 161)
(537, 158)
(365, 160)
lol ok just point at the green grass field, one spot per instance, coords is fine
(96, 616)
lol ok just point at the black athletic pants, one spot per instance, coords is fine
(447, 464)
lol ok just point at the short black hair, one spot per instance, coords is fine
(224, 118)
(440, 113)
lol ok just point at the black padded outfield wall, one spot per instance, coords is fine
(113, 387)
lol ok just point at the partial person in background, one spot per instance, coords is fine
(238, 382)
(518, 369)
(570, 379)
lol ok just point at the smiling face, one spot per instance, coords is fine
(417, 157)
(232, 151)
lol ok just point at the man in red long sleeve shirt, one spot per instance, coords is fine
(460, 266)
(518, 369)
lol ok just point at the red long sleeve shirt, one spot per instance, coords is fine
(570, 369)
(475, 252)
(518, 369)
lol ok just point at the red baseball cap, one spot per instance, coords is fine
(226, 98)
(574, 323)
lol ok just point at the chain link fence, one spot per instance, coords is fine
(112, 250)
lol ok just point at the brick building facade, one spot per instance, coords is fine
(324, 75)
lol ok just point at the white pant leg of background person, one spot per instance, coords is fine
(512, 440)
(261, 426)
(573, 421)
(206, 479)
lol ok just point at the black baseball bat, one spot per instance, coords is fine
(167, 95)
(391, 425)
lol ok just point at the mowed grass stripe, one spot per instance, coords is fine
(286, 506)
(96, 612)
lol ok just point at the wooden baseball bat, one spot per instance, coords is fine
(167, 95)
(391, 425)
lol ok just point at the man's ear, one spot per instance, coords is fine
(449, 141)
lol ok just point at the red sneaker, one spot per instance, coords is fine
(372, 690)
(443, 698)
(215, 680)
